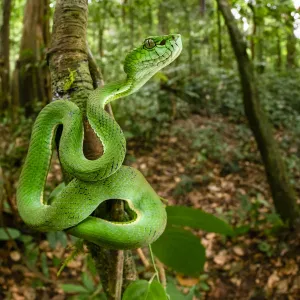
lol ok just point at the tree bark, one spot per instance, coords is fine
(254, 24)
(220, 46)
(279, 54)
(4, 56)
(31, 72)
(69, 54)
(202, 7)
(284, 196)
(163, 20)
(291, 50)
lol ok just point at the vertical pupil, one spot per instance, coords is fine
(149, 43)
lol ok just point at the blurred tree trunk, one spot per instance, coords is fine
(186, 11)
(31, 71)
(220, 47)
(257, 42)
(291, 50)
(101, 26)
(69, 53)
(279, 54)
(251, 4)
(132, 23)
(150, 18)
(284, 196)
(163, 20)
(4, 56)
(202, 7)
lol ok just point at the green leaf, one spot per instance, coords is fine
(73, 288)
(198, 219)
(180, 250)
(57, 237)
(137, 290)
(91, 265)
(243, 229)
(175, 294)
(87, 281)
(9, 233)
(143, 290)
(44, 264)
(26, 239)
(32, 253)
(156, 292)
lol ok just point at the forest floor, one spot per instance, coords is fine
(206, 163)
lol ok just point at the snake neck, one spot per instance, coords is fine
(112, 91)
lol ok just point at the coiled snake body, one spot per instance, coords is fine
(97, 180)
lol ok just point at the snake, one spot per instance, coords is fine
(102, 179)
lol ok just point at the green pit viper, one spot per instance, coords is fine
(95, 181)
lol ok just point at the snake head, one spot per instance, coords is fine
(155, 53)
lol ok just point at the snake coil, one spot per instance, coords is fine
(95, 181)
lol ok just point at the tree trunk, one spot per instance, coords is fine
(278, 48)
(32, 73)
(4, 56)
(189, 34)
(132, 23)
(254, 24)
(69, 55)
(291, 51)
(284, 196)
(163, 18)
(220, 47)
(291, 40)
(202, 7)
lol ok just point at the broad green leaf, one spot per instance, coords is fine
(73, 288)
(198, 219)
(156, 291)
(143, 290)
(138, 290)
(9, 233)
(180, 250)
(175, 294)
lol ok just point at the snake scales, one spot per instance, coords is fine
(95, 181)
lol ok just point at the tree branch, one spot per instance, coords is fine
(69, 53)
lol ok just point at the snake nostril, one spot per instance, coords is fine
(163, 42)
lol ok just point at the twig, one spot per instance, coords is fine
(162, 272)
(154, 266)
(143, 258)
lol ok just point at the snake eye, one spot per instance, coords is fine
(149, 43)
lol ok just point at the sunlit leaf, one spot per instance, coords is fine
(144, 290)
(180, 250)
(198, 219)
